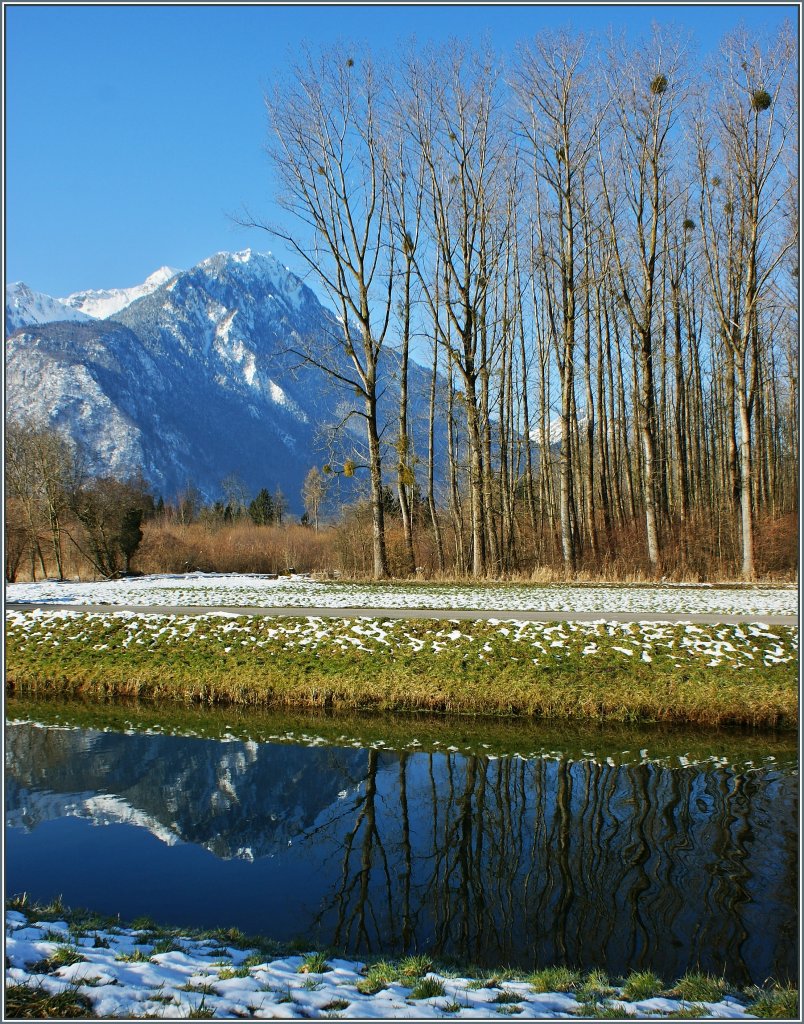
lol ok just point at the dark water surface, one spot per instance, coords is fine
(592, 857)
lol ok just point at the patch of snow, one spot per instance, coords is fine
(191, 980)
(100, 304)
(249, 589)
(26, 307)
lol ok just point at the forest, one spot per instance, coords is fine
(594, 249)
(596, 244)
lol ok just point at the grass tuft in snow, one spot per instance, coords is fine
(601, 1011)
(62, 956)
(641, 985)
(555, 979)
(24, 1002)
(137, 957)
(314, 963)
(507, 996)
(414, 966)
(690, 1011)
(779, 1002)
(379, 975)
(428, 988)
(225, 973)
(595, 987)
(696, 987)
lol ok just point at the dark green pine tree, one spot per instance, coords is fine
(261, 509)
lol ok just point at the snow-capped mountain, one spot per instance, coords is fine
(105, 303)
(24, 307)
(197, 379)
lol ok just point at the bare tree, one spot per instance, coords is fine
(453, 118)
(406, 191)
(647, 87)
(742, 134)
(560, 113)
(235, 496)
(313, 491)
(111, 513)
(43, 470)
(329, 155)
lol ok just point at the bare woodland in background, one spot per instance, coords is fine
(595, 250)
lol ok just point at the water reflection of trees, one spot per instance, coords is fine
(548, 860)
(577, 862)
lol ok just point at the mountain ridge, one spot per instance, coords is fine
(200, 377)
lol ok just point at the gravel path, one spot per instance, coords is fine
(411, 613)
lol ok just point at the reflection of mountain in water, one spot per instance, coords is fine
(537, 861)
(237, 799)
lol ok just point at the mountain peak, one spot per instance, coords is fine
(24, 307)
(103, 303)
(197, 379)
(159, 277)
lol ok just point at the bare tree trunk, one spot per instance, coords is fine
(404, 475)
(380, 558)
(530, 499)
(455, 496)
(746, 475)
(431, 502)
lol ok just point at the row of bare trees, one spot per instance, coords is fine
(597, 243)
(53, 505)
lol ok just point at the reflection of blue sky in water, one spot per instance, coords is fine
(490, 859)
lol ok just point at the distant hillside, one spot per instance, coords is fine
(197, 378)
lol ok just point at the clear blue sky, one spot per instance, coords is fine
(133, 132)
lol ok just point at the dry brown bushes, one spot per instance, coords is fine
(711, 551)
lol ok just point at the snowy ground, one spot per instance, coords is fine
(123, 974)
(237, 590)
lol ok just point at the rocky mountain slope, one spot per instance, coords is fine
(198, 378)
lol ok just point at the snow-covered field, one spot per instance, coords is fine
(238, 590)
(123, 974)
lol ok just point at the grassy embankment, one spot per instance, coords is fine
(710, 675)
(621, 742)
(597, 995)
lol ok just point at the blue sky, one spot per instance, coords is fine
(133, 133)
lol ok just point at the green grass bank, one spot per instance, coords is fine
(569, 671)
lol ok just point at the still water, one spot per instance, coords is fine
(598, 857)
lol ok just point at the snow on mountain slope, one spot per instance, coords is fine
(25, 306)
(105, 303)
(200, 378)
(95, 382)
